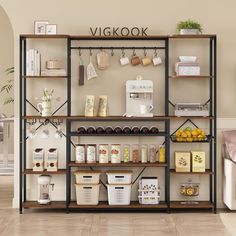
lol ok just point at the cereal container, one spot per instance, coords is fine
(115, 153)
(144, 153)
(80, 153)
(152, 153)
(91, 153)
(103, 153)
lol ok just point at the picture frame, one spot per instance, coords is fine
(51, 29)
(40, 27)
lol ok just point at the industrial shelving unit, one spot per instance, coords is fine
(69, 119)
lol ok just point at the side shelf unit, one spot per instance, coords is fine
(166, 121)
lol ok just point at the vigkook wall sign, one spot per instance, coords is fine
(118, 31)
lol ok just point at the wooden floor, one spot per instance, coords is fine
(40, 223)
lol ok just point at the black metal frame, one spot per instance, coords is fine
(166, 120)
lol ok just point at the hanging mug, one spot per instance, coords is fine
(156, 60)
(146, 60)
(124, 60)
(135, 60)
(45, 108)
(103, 60)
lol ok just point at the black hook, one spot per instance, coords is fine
(134, 53)
(80, 52)
(112, 51)
(145, 51)
(123, 52)
(90, 52)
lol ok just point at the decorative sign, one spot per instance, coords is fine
(117, 31)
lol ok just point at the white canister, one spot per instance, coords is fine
(91, 153)
(80, 153)
(144, 153)
(103, 153)
(115, 153)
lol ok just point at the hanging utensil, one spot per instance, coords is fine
(81, 69)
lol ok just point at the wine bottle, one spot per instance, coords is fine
(144, 130)
(91, 130)
(135, 130)
(100, 130)
(126, 130)
(153, 130)
(108, 130)
(81, 130)
(118, 130)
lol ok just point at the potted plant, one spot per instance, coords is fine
(189, 27)
(7, 88)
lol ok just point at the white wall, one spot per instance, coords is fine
(6, 61)
(75, 17)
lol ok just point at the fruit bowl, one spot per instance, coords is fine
(190, 135)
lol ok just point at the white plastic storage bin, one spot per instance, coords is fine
(87, 177)
(229, 184)
(119, 194)
(148, 183)
(87, 194)
(149, 200)
(119, 177)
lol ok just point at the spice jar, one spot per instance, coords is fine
(91, 153)
(91, 130)
(80, 153)
(103, 153)
(115, 153)
(144, 130)
(152, 153)
(135, 130)
(126, 130)
(126, 153)
(135, 153)
(153, 130)
(118, 130)
(144, 153)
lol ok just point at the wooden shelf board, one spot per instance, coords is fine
(122, 164)
(201, 205)
(191, 77)
(44, 36)
(31, 172)
(44, 77)
(207, 172)
(117, 135)
(192, 36)
(117, 118)
(43, 117)
(97, 37)
(105, 205)
(192, 117)
(53, 205)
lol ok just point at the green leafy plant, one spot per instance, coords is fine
(189, 24)
(7, 87)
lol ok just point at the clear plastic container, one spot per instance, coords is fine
(126, 153)
(152, 153)
(189, 191)
(115, 153)
(144, 153)
(135, 153)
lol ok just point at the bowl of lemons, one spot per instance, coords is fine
(190, 135)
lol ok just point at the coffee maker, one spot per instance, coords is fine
(139, 98)
(44, 189)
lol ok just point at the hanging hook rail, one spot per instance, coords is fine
(118, 48)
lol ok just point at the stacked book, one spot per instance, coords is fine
(53, 72)
(33, 62)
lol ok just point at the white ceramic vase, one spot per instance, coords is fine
(45, 108)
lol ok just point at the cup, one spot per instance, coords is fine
(144, 109)
(156, 60)
(124, 61)
(32, 133)
(45, 134)
(103, 60)
(135, 60)
(146, 61)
